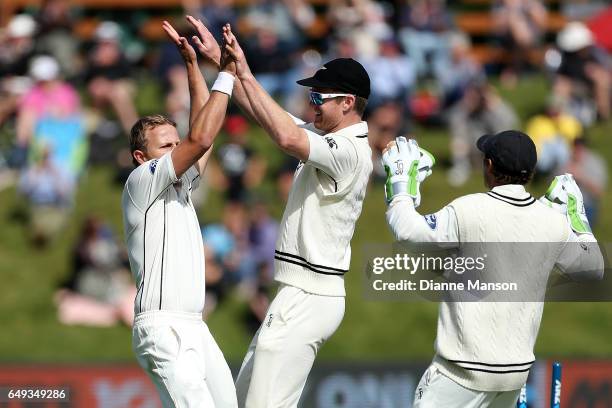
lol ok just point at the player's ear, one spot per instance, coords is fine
(487, 170)
(139, 156)
(348, 103)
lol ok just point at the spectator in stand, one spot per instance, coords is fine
(108, 75)
(582, 10)
(362, 21)
(342, 45)
(272, 58)
(50, 118)
(392, 75)
(424, 25)
(229, 241)
(385, 123)
(215, 14)
(241, 169)
(263, 232)
(591, 175)
(49, 193)
(55, 36)
(519, 25)
(480, 111)
(99, 292)
(462, 70)
(584, 71)
(18, 45)
(16, 51)
(216, 285)
(274, 32)
(284, 177)
(553, 134)
(289, 19)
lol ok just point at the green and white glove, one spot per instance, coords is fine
(406, 166)
(565, 196)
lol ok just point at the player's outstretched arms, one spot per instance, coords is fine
(198, 92)
(209, 49)
(205, 42)
(275, 121)
(208, 121)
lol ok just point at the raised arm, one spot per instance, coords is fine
(208, 47)
(208, 121)
(407, 166)
(198, 92)
(275, 121)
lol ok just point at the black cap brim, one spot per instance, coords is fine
(483, 142)
(312, 82)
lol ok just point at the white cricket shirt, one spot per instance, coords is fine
(313, 249)
(163, 237)
(488, 346)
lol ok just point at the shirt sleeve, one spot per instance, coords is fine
(334, 155)
(408, 225)
(192, 175)
(581, 258)
(149, 180)
(296, 120)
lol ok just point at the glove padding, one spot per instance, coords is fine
(565, 196)
(406, 166)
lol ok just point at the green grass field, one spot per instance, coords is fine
(370, 330)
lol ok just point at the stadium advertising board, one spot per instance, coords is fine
(586, 384)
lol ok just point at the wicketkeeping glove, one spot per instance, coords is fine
(565, 196)
(406, 166)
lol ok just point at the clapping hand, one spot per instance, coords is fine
(235, 51)
(186, 50)
(206, 43)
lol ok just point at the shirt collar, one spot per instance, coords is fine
(514, 194)
(512, 190)
(357, 129)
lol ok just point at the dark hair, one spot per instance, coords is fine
(360, 105)
(138, 140)
(503, 178)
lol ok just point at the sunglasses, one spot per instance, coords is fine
(318, 98)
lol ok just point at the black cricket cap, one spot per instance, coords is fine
(511, 151)
(342, 74)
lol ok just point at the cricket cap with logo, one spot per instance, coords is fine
(512, 152)
(341, 74)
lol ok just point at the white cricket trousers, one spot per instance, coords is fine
(281, 354)
(435, 390)
(180, 355)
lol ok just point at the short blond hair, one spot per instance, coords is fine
(138, 139)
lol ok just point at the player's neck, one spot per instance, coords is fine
(346, 122)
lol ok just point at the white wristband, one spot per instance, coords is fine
(224, 83)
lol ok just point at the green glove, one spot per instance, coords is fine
(565, 196)
(406, 166)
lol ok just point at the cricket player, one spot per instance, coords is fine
(484, 350)
(313, 248)
(171, 342)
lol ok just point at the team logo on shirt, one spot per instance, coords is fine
(152, 166)
(431, 220)
(331, 142)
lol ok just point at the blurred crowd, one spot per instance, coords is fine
(67, 101)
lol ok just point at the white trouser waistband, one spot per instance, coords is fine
(166, 316)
